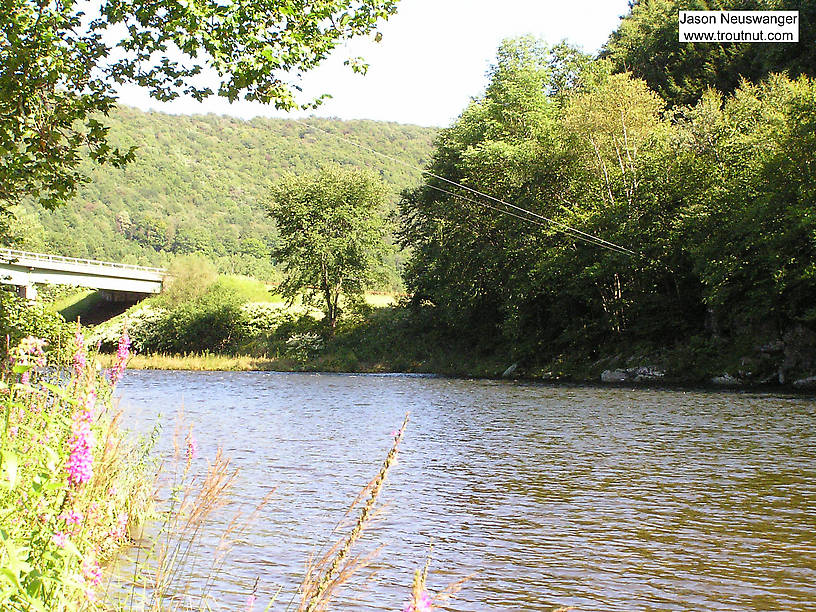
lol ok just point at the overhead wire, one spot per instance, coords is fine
(567, 229)
(517, 216)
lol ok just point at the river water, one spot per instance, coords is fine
(599, 498)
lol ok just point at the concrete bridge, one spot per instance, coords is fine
(122, 281)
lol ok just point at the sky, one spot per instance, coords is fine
(433, 58)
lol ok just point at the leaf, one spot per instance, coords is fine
(9, 467)
(71, 548)
(11, 577)
(34, 580)
(58, 391)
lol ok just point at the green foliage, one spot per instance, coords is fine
(59, 67)
(20, 319)
(211, 322)
(646, 43)
(751, 219)
(246, 288)
(229, 315)
(141, 321)
(189, 277)
(332, 235)
(714, 201)
(55, 529)
(203, 181)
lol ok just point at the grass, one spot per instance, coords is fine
(70, 301)
(248, 289)
(380, 300)
(211, 362)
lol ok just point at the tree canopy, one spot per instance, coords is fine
(646, 44)
(332, 234)
(712, 205)
(199, 183)
(60, 64)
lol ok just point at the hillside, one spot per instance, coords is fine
(199, 182)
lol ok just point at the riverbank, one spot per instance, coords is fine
(335, 363)
(569, 373)
(74, 486)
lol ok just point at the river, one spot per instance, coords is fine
(599, 498)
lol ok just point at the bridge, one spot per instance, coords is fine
(123, 281)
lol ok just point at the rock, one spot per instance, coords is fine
(805, 383)
(510, 370)
(647, 373)
(613, 376)
(638, 374)
(726, 380)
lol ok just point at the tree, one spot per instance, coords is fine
(332, 234)
(59, 68)
(579, 147)
(646, 44)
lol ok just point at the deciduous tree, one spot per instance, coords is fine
(60, 64)
(332, 234)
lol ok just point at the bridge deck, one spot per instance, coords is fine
(24, 268)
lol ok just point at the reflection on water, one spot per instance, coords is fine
(604, 499)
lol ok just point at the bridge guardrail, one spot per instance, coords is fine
(15, 254)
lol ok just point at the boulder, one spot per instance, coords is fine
(726, 380)
(647, 373)
(639, 374)
(805, 383)
(613, 376)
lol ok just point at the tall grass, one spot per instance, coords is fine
(203, 362)
(332, 569)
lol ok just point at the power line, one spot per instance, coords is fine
(567, 229)
(533, 221)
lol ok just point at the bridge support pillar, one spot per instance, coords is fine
(28, 292)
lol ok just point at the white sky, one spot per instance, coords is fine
(432, 59)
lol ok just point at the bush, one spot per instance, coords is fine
(20, 319)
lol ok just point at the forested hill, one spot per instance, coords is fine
(199, 182)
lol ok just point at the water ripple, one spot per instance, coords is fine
(604, 499)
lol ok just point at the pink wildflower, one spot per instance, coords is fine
(72, 517)
(91, 571)
(119, 530)
(80, 447)
(29, 352)
(192, 446)
(88, 404)
(32, 349)
(424, 604)
(60, 538)
(90, 594)
(122, 355)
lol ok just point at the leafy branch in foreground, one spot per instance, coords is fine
(61, 62)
